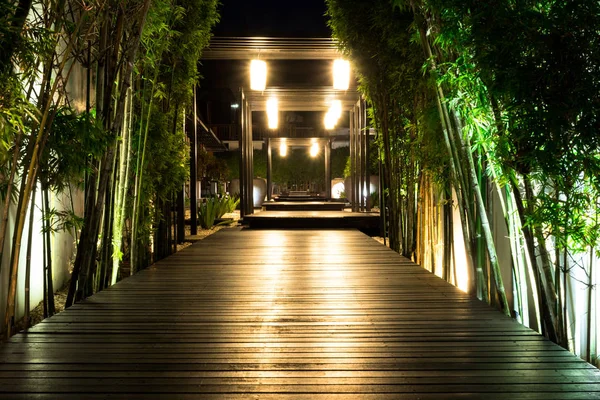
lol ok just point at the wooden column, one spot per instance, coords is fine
(328, 169)
(269, 170)
(194, 171)
(366, 156)
(356, 184)
(382, 210)
(359, 161)
(352, 187)
(250, 164)
(243, 152)
(246, 158)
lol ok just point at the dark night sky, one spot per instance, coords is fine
(280, 18)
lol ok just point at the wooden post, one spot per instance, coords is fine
(194, 171)
(243, 152)
(382, 211)
(356, 184)
(352, 163)
(328, 169)
(359, 145)
(250, 160)
(269, 170)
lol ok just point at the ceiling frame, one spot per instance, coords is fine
(271, 48)
(317, 98)
(299, 142)
(309, 98)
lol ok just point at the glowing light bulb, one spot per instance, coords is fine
(341, 74)
(329, 120)
(272, 113)
(258, 75)
(283, 149)
(336, 109)
(314, 149)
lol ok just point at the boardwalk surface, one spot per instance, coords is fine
(287, 315)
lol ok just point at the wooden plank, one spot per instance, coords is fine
(290, 314)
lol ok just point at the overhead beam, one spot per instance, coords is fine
(316, 98)
(266, 48)
(299, 142)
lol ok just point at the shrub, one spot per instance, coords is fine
(214, 208)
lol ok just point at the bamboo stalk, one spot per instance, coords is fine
(140, 173)
(30, 178)
(487, 232)
(28, 261)
(121, 190)
(8, 198)
(49, 275)
(454, 169)
(89, 235)
(590, 289)
(546, 299)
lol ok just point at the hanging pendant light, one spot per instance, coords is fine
(258, 75)
(272, 113)
(341, 74)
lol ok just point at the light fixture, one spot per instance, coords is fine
(235, 105)
(258, 75)
(272, 113)
(314, 149)
(336, 109)
(283, 149)
(333, 114)
(341, 74)
(330, 120)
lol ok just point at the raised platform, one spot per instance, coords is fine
(366, 222)
(304, 206)
(296, 198)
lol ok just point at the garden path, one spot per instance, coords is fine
(287, 314)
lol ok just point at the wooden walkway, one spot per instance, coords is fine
(323, 315)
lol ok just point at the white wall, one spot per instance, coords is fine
(62, 252)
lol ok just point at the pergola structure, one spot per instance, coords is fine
(306, 98)
(322, 143)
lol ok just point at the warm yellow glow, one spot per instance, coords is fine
(258, 75)
(272, 113)
(329, 120)
(337, 190)
(336, 109)
(283, 149)
(341, 74)
(333, 114)
(314, 149)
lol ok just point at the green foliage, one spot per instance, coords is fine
(232, 162)
(298, 168)
(377, 38)
(374, 199)
(214, 208)
(212, 167)
(347, 168)
(174, 36)
(339, 157)
(57, 221)
(60, 165)
(167, 156)
(342, 168)
(525, 82)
